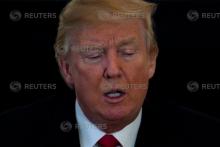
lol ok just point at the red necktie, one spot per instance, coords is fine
(108, 141)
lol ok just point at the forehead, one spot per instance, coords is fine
(105, 31)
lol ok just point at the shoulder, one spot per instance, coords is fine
(169, 123)
(37, 123)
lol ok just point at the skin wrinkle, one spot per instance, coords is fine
(78, 38)
(77, 13)
(93, 68)
(112, 69)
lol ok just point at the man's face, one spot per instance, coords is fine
(109, 67)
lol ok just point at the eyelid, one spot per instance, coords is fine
(92, 51)
(94, 55)
(128, 50)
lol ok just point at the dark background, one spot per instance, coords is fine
(188, 52)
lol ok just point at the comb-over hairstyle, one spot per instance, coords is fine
(79, 12)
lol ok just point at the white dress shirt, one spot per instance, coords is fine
(89, 134)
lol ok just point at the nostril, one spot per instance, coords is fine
(112, 72)
(112, 65)
(108, 74)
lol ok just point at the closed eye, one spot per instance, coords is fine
(94, 56)
(128, 54)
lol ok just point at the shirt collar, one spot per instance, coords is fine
(89, 134)
(127, 136)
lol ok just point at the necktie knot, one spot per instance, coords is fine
(108, 141)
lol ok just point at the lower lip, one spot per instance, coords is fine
(114, 100)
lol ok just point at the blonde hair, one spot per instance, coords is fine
(79, 12)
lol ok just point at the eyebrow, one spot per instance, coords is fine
(123, 42)
(127, 41)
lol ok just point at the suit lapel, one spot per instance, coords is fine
(63, 130)
(151, 131)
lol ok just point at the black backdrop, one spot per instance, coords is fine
(188, 63)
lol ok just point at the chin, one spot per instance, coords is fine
(118, 114)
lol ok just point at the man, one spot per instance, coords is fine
(106, 51)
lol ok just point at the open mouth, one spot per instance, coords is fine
(114, 95)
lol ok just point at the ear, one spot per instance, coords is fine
(152, 64)
(65, 71)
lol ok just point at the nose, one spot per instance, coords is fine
(112, 68)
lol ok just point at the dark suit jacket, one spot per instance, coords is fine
(40, 125)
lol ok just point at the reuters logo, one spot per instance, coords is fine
(15, 15)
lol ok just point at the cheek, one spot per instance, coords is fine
(86, 78)
(80, 72)
(138, 70)
(137, 73)
(86, 87)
